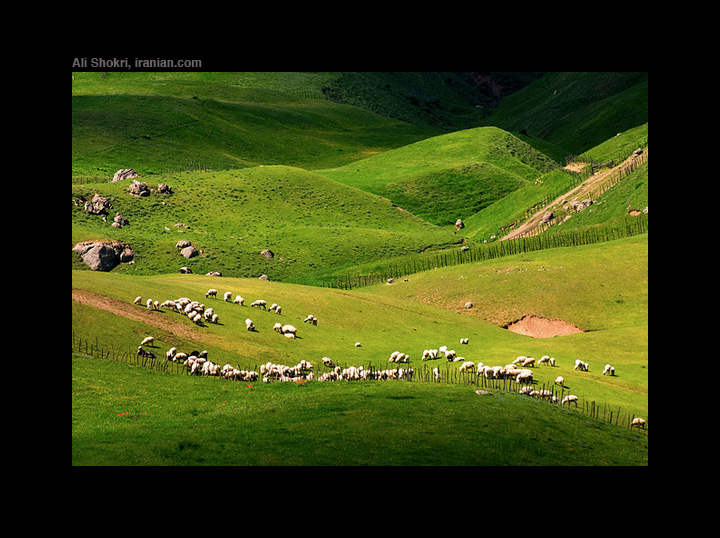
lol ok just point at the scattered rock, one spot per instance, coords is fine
(468, 305)
(268, 254)
(390, 281)
(547, 216)
(182, 243)
(125, 173)
(164, 188)
(189, 252)
(579, 206)
(98, 205)
(138, 189)
(104, 255)
(213, 273)
(119, 221)
(483, 392)
(264, 277)
(186, 270)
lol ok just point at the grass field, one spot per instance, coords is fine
(340, 175)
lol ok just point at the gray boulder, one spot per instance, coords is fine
(189, 252)
(125, 173)
(98, 205)
(104, 255)
(138, 189)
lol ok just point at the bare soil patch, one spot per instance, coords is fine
(538, 327)
(155, 318)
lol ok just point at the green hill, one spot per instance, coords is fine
(447, 177)
(159, 122)
(309, 222)
(575, 111)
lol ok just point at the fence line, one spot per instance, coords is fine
(424, 374)
(629, 227)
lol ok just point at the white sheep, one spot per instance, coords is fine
(559, 380)
(148, 341)
(525, 376)
(197, 319)
(570, 398)
(149, 304)
(608, 370)
(137, 299)
(529, 361)
(358, 344)
(215, 318)
(278, 327)
(450, 354)
(639, 422)
(212, 292)
(543, 359)
(464, 341)
(259, 304)
(582, 366)
(238, 300)
(467, 366)
(170, 353)
(327, 361)
(249, 325)
(288, 331)
(436, 374)
(310, 319)
(552, 361)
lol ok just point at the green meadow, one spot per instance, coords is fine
(341, 175)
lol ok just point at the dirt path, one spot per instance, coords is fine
(156, 318)
(587, 186)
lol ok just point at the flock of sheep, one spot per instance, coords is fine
(197, 363)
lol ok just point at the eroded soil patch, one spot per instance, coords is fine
(538, 327)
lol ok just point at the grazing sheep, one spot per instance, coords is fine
(249, 325)
(529, 361)
(552, 361)
(358, 344)
(137, 299)
(170, 353)
(525, 376)
(197, 319)
(259, 304)
(519, 359)
(450, 354)
(212, 292)
(310, 319)
(559, 380)
(467, 366)
(543, 359)
(639, 422)
(570, 398)
(327, 361)
(277, 327)
(148, 341)
(288, 331)
(608, 370)
(464, 341)
(149, 304)
(436, 374)
(227, 296)
(238, 300)
(582, 366)
(214, 318)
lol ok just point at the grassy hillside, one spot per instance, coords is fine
(493, 220)
(382, 416)
(450, 176)
(155, 122)
(575, 111)
(179, 420)
(305, 219)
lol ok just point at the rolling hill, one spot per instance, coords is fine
(339, 174)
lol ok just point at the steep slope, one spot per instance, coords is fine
(447, 177)
(575, 111)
